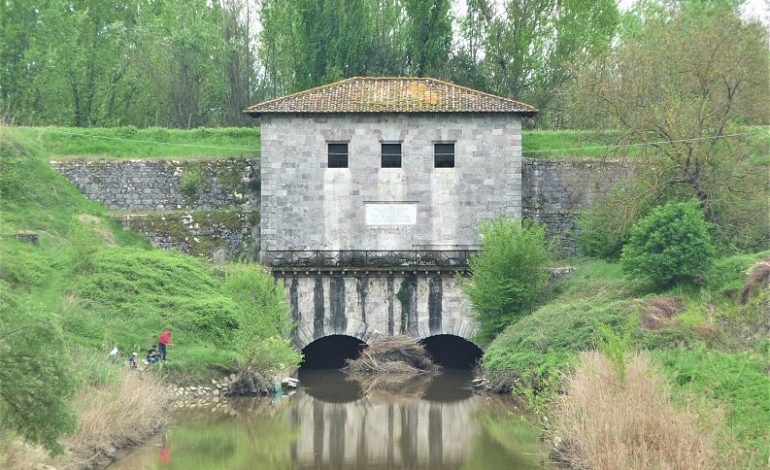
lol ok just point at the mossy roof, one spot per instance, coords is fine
(391, 95)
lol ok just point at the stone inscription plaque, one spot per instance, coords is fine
(388, 214)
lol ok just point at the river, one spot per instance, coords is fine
(333, 422)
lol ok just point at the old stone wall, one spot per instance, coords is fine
(207, 208)
(555, 192)
(368, 304)
(149, 198)
(148, 185)
(308, 206)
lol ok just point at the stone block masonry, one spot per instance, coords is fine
(365, 305)
(555, 192)
(148, 185)
(207, 208)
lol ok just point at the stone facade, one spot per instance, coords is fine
(306, 205)
(149, 185)
(555, 192)
(365, 305)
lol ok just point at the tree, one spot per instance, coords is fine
(35, 382)
(683, 90)
(529, 46)
(508, 274)
(670, 246)
(430, 36)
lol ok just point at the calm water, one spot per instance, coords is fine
(330, 422)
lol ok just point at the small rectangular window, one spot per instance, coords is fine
(391, 155)
(444, 155)
(338, 155)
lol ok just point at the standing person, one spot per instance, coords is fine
(163, 341)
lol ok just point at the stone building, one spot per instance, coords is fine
(386, 164)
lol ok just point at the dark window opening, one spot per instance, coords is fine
(391, 155)
(444, 155)
(452, 352)
(338, 155)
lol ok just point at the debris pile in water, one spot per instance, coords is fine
(393, 354)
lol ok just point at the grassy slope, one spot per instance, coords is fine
(130, 142)
(708, 365)
(107, 286)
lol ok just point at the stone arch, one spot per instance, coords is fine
(331, 351)
(452, 351)
(356, 329)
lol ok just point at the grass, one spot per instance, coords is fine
(130, 142)
(604, 423)
(711, 351)
(116, 407)
(736, 384)
(106, 285)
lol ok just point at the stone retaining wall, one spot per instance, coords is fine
(555, 192)
(147, 185)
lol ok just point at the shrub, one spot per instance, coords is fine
(604, 229)
(508, 274)
(190, 182)
(670, 246)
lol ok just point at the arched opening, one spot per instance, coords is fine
(452, 352)
(330, 352)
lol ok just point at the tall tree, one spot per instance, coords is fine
(430, 36)
(681, 88)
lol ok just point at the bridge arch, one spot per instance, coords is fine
(452, 351)
(331, 351)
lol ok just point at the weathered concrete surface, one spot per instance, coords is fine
(306, 205)
(366, 305)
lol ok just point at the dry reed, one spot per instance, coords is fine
(394, 355)
(116, 416)
(110, 417)
(603, 424)
(658, 311)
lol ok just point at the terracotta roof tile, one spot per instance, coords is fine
(390, 95)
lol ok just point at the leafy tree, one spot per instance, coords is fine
(688, 122)
(670, 246)
(430, 36)
(35, 382)
(508, 274)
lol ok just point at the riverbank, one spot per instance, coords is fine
(704, 353)
(83, 286)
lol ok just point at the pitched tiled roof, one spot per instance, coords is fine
(391, 95)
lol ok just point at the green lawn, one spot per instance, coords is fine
(130, 142)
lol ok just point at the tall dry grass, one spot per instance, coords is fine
(602, 423)
(111, 416)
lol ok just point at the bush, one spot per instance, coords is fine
(508, 275)
(604, 229)
(190, 183)
(670, 246)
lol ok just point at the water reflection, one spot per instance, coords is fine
(337, 423)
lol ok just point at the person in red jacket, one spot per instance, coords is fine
(163, 341)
